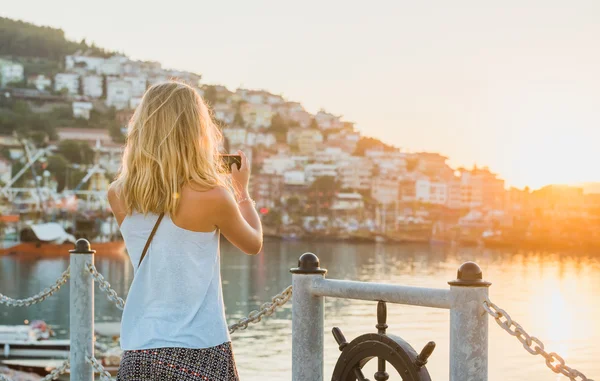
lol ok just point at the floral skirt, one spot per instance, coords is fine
(179, 364)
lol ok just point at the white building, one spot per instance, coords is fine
(261, 139)
(346, 140)
(138, 84)
(40, 81)
(330, 155)
(385, 190)
(118, 93)
(236, 136)
(295, 177)
(348, 201)
(82, 109)
(157, 78)
(113, 65)
(257, 115)
(278, 164)
(356, 172)
(134, 102)
(69, 81)
(92, 85)
(5, 170)
(312, 171)
(431, 192)
(10, 72)
(90, 64)
(224, 113)
(328, 121)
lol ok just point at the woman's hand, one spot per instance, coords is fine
(241, 177)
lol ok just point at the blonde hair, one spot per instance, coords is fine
(172, 141)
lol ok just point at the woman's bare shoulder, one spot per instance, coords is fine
(117, 204)
(217, 195)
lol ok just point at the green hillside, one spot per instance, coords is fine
(41, 49)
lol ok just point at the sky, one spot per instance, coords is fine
(512, 85)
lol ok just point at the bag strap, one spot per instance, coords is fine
(160, 217)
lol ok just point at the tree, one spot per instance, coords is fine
(76, 152)
(238, 120)
(322, 192)
(210, 95)
(411, 164)
(313, 124)
(367, 143)
(279, 127)
(58, 166)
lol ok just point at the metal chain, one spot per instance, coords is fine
(105, 286)
(266, 309)
(57, 372)
(39, 297)
(104, 375)
(553, 361)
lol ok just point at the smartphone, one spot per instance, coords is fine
(229, 160)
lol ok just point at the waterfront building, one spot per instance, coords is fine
(348, 202)
(267, 189)
(69, 81)
(481, 188)
(431, 192)
(560, 201)
(356, 172)
(385, 190)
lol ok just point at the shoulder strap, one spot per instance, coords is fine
(160, 217)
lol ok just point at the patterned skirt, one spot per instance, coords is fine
(179, 364)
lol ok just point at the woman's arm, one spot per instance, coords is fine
(240, 223)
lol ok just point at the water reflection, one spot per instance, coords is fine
(555, 296)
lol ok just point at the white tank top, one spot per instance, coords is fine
(175, 299)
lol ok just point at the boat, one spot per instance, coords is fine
(29, 347)
(50, 238)
(31, 340)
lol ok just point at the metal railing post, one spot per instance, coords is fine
(468, 325)
(81, 312)
(307, 321)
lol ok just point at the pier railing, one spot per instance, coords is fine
(467, 300)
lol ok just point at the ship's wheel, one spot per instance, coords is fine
(387, 349)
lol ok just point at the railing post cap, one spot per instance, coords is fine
(82, 246)
(469, 274)
(308, 264)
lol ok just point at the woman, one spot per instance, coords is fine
(173, 325)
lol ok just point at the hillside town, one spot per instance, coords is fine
(314, 175)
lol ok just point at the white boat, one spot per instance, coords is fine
(31, 341)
